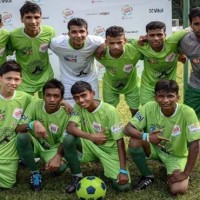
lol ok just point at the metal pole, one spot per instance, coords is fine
(186, 8)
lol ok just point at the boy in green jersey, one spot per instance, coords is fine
(30, 44)
(121, 74)
(4, 36)
(160, 57)
(167, 131)
(41, 132)
(12, 106)
(100, 137)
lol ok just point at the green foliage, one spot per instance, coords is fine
(177, 8)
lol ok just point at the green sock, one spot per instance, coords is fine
(139, 157)
(25, 149)
(70, 153)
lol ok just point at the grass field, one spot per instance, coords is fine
(53, 187)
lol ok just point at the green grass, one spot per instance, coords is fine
(53, 187)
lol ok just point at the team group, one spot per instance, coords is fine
(64, 137)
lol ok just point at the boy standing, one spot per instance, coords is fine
(12, 106)
(121, 73)
(76, 56)
(100, 136)
(4, 36)
(46, 121)
(160, 58)
(190, 46)
(162, 130)
(31, 46)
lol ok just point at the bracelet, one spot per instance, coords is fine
(31, 125)
(122, 171)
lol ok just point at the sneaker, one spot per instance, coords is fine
(36, 182)
(71, 188)
(143, 183)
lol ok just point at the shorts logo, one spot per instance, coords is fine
(117, 128)
(176, 130)
(139, 116)
(194, 128)
(53, 128)
(17, 113)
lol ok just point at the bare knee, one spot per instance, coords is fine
(179, 187)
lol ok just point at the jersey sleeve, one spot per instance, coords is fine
(193, 126)
(75, 116)
(177, 36)
(139, 120)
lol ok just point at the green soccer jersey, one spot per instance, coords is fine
(32, 55)
(181, 128)
(121, 73)
(11, 111)
(104, 117)
(55, 123)
(4, 36)
(159, 65)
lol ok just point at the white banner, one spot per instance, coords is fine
(133, 15)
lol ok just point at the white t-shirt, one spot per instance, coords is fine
(76, 65)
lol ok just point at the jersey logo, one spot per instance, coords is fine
(170, 57)
(195, 60)
(152, 61)
(70, 58)
(97, 127)
(17, 113)
(194, 128)
(117, 128)
(53, 128)
(176, 130)
(139, 116)
(128, 68)
(43, 48)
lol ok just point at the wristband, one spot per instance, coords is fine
(144, 136)
(147, 137)
(30, 125)
(122, 171)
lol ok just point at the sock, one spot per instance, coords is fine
(139, 157)
(26, 152)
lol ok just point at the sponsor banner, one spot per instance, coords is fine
(133, 15)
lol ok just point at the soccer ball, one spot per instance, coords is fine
(91, 188)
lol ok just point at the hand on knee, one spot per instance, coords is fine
(179, 187)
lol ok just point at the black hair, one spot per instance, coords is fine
(167, 86)
(195, 12)
(30, 7)
(155, 25)
(115, 31)
(54, 83)
(77, 22)
(80, 86)
(9, 66)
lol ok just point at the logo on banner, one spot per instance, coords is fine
(127, 12)
(100, 31)
(36, 1)
(156, 10)
(5, 1)
(67, 14)
(6, 17)
(96, 1)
